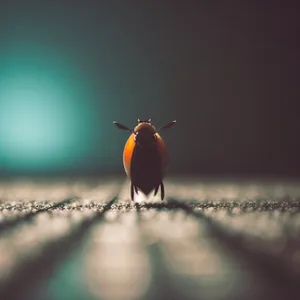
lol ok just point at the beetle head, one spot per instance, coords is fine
(145, 134)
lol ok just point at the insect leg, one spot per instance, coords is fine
(132, 191)
(162, 191)
(136, 189)
(156, 189)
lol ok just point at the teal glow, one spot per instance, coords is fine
(44, 121)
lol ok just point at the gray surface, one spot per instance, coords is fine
(210, 239)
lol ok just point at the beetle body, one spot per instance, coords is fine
(145, 158)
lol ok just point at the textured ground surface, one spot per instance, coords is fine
(209, 239)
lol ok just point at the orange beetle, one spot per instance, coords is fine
(145, 157)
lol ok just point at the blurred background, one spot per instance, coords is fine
(226, 71)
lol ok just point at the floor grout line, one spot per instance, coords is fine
(56, 251)
(28, 216)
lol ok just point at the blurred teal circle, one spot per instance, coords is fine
(44, 121)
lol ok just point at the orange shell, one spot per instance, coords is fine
(129, 148)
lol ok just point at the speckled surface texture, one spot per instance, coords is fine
(209, 239)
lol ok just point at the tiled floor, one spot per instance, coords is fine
(209, 239)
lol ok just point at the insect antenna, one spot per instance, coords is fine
(168, 125)
(122, 127)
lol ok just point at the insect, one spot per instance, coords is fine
(145, 158)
